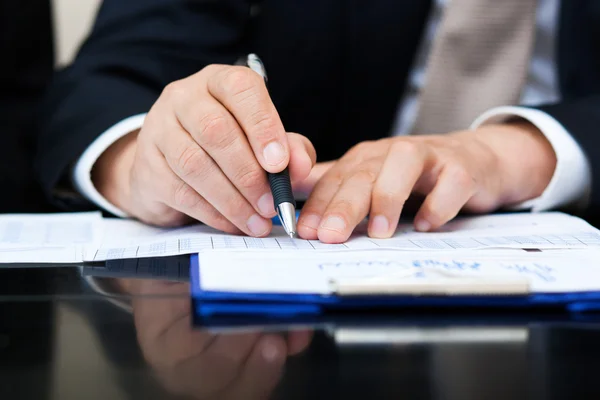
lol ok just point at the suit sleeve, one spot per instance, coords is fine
(135, 49)
(581, 118)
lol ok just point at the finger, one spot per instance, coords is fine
(201, 174)
(214, 370)
(315, 206)
(298, 341)
(233, 348)
(401, 169)
(306, 186)
(172, 207)
(175, 342)
(218, 133)
(244, 93)
(185, 199)
(455, 186)
(151, 211)
(349, 206)
(262, 371)
(302, 157)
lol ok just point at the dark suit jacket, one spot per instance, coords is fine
(26, 51)
(337, 69)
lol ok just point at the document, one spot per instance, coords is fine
(82, 237)
(131, 239)
(321, 272)
(49, 238)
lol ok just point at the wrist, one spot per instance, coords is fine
(111, 172)
(526, 159)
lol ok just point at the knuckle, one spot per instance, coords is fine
(176, 218)
(213, 216)
(190, 162)
(361, 147)
(265, 124)
(334, 177)
(406, 148)
(184, 197)
(168, 218)
(249, 178)
(237, 209)
(460, 175)
(215, 130)
(386, 198)
(438, 213)
(359, 153)
(366, 175)
(238, 80)
(432, 212)
(174, 89)
(434, 216)
(211, 69)
(343, 208)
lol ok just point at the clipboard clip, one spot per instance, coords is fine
(437, 283)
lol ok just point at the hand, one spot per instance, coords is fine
(478, 171)
(202, 153)
(303, 188)
(200, 364)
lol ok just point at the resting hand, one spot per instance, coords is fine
(478, 171)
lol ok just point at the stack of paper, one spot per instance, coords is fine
(75, 238)
(52, 238)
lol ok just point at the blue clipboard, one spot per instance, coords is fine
(209, 304)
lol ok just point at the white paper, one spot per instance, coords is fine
(569, 271)
(127, 238)
(73, 238)
(48, 238)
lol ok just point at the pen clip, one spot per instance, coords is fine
(253, 62)
(256, 65)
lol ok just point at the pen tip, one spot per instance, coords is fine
(292, 235)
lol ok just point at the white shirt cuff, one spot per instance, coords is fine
(571, 182)
(82, 173)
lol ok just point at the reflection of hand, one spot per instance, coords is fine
(196, 363)
(479, 171)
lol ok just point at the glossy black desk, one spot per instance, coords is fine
(64, 335)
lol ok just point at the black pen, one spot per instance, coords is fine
(280, 183)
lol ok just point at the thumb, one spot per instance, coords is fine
(302, 157)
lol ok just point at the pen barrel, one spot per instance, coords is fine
(281, 187)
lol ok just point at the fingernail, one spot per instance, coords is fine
(265, 204)
(257, 225)
(274, 153)
(269, 351)
(334, 224)
(380, 226)
(423, 225)
(311, 221)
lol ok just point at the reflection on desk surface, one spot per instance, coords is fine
(176, 268)
(87, 347)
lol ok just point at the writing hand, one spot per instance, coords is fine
(478, 171)
(202, 153)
